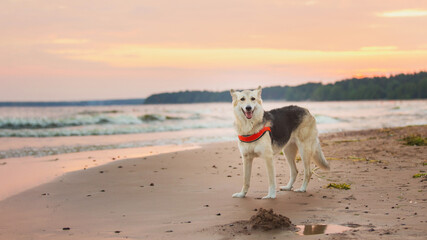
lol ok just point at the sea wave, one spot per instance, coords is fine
(83, 119)
(110, 129)
(323, 119)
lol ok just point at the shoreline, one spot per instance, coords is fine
(178, 195)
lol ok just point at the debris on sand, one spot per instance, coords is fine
(344, 186)
(351, 197)
(418, 175)
(415, 140)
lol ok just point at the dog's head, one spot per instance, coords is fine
(247, 104)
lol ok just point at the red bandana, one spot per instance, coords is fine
(254, 137)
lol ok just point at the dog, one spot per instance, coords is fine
(266, 133)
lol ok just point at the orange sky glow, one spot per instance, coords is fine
(106, 49)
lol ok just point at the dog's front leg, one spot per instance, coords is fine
(271, 177)
(247, 169)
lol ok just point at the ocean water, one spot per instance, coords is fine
(41, 131)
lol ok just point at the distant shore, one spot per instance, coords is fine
(187, 194)
(395, 87)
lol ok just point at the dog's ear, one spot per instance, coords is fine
(259, 89)
(233, 94)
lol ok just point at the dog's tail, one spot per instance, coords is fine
(319, 158)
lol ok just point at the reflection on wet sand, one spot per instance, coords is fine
(321, 229)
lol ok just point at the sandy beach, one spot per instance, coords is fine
(187, 194)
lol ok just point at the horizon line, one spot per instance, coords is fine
(359, 77)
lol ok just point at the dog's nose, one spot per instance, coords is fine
(248, 108)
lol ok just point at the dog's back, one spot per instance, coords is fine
(283, 122)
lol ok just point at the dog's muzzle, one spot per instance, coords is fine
(249, 112)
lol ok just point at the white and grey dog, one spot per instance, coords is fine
(290, 129)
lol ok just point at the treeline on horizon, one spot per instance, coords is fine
(401, 86)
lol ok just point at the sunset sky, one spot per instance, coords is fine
(111, 49)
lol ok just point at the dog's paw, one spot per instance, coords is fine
(285, 188)
(270, 196)
(239, 195)
(301, 190)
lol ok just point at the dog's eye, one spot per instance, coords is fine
(252, 98)
(242, 99)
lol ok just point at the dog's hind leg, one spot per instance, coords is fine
(306, 153)
(290, 153)
(247, 169)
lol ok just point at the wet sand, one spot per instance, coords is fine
(23, 173)
(187, 195)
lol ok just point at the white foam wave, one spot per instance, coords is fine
(322, 119)
(111, 129)
(83, 120)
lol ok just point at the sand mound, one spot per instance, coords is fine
(268, 220)
(264, 220)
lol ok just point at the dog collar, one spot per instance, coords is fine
(254, 137)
